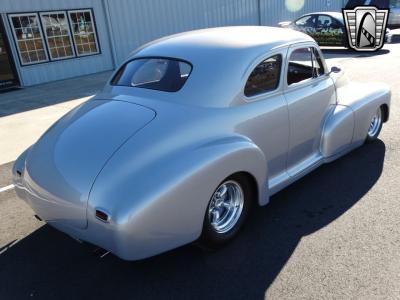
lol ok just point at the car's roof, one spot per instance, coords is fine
(221, 59)
(222, 41)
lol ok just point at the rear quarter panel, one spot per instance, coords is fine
(162, 205)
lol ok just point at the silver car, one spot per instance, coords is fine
(190, 133)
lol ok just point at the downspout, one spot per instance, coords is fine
(110, 31)
(259, 13)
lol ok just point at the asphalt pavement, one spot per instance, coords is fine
(334, 234)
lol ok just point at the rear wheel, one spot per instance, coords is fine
(375, 126)
(227, 210)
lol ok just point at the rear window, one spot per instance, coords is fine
(162, 74)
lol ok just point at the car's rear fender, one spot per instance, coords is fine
(165, 208)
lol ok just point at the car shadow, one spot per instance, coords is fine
(349, 53)
(47, 264)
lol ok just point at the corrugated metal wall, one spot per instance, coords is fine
(57, 70)
(137, 22)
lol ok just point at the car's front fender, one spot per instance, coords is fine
(163, 206)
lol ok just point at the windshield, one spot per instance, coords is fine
(162, 74)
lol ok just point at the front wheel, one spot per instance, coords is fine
(226, 211)
(375, 126)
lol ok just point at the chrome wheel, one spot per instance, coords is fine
(375, 125)
(226, 206)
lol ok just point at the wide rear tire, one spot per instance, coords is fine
(226, 211)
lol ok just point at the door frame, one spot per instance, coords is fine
(314, 158)
(16, 81)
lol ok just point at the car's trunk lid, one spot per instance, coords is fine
(63, 165)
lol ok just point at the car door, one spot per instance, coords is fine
(268, 126)
(330, 32)
(310, 95)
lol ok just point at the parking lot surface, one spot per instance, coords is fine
(335, 234)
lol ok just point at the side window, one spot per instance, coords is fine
(307, 21)
(317, 63)
(327, 23)
(300, 65)
(324, 22)
(265, 77)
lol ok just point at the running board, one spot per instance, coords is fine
(283, 180)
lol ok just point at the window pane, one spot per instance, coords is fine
(300, 66)
(29, 38)
(33, 56)
(25, 57)
(307, 21)
(30, 45)
(154, 73)
(324, 21)
(87, 17)
(58, 35)
(91, 38)
(265, 77)
(84, 32)
(42, 55)
(69, 52)
(16, 23)
(22, 46)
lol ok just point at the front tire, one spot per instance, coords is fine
(227, 210)
(375, 126)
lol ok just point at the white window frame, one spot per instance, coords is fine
(47, 37)
(94, 31)
(10, 16)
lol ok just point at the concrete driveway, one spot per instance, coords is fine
(335, 234)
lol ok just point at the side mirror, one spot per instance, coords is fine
(335, 70)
